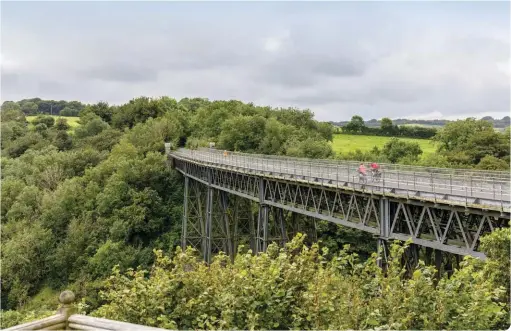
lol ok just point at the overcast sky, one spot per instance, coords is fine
(397, 59)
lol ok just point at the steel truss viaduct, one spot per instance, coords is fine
(238, 199)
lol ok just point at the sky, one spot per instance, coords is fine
(406, 59)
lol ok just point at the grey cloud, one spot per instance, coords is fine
(364, 92)
(53, 87)
(491, 48)
(320, 65)
(120, 72)
(10, 81)
(339, 67)
(142, 59)
(306, 69)
(301, 63)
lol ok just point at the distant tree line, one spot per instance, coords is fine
(36, 106)
(497, 123)
(387, 128)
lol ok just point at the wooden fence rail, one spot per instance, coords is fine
(65, 319)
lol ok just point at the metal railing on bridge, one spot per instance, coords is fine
(391, 167)
(491, 188)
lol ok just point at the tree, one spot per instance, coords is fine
(486, 143)
(473, 138)
(326, 130)
(62, 124)
(296, 118)
(49, 121)
(30, 140)
(63, 141)
(310, 148)
(101, 109)
(242, 133)
(12, 130)
(10, 105)
(25, 248)
(193, 104)
(140, 110)
(386, 126)
(29, 108)
(275, 136)
(490, 162)
(207, 121)
(42, 129)
(68, 111)
(11, 113)
(396, 149)
(356, 125)
(91, 125)
(108, 256)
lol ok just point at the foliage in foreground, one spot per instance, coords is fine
(298, 288)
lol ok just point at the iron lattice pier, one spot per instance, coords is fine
(240, 199)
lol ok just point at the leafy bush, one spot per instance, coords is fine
(10, 318)
(62, 124)
(396, 149)
(49, 121)
(67, 111)
(490, 162)
(298, 288)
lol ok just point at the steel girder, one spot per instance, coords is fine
(214, 221)
(449, 228)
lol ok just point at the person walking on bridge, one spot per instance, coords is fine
(375, 171)
(362, 173)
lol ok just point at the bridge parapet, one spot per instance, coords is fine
(504, 176)
(470, 188)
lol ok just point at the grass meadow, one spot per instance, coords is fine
(343, 143)
(71, 120)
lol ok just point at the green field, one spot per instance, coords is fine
(347, 143)
(72, 121)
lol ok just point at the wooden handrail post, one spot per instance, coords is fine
(66, 298)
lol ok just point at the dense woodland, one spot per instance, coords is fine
(77, 203)
(50, 107)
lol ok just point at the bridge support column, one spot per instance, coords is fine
(438, 263)
(384, 232)
(228, 247)
(209, 220)
(209, 225)
(279, 215)
(262, 229)
(185, 213)
(262, 221)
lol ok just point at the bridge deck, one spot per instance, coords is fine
(457, 185)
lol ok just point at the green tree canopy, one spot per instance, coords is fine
(396, 149)
(356, 125)
(474, 138)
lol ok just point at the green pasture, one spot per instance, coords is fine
(343, 143)
(71, 120)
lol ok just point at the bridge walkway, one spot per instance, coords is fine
(484, 188)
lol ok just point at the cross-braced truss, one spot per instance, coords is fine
(273, 206)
